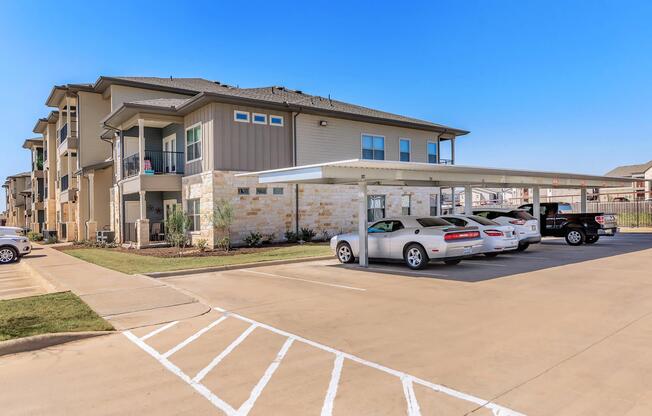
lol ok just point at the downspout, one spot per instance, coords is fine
(294, 163)
(120, 196)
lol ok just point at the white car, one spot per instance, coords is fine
(415, 240)
(13, 247)
(497, 238)
(12, 231)
(527, 227)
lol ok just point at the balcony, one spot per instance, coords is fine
(156, 163)
(67, 139)
(64, 183)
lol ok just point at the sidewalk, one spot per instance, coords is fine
(127, 301)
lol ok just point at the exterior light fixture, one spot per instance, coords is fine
(323, 123)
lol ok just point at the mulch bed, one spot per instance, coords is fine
(167, 252)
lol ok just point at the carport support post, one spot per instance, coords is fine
(468, 200)
(536, 205)
(582, 199)
(363, 255)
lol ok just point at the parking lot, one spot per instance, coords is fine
(555, 330)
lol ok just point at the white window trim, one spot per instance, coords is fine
(253, 118)
(201, 142)
(235, 114)
(428, 143)
(374, 135)
(274, 124)
(194, 232)
(409, 148)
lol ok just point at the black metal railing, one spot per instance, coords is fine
(63, 133)
(64, 182)
(163, 162)
(130, 165)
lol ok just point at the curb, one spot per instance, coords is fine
(172, 273)
(37, 342)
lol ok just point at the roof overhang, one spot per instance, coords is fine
(58, 92)
(390, 173)
(33, 142)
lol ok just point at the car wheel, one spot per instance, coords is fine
(415, 257)
(591, 239)
(344, 253)
(452, 262)
(523, 247)
(491, 254)
(575, 236)
(7, 255)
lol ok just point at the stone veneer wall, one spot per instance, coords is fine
(326, 209)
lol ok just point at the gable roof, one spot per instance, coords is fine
(200, 90)
(629, 170)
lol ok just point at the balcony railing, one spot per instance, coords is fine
(445, 161)
(63, 133)
(155, 162)
(64, 182)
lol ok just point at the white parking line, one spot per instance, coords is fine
(202, 373)
(411, 399)
(193, 337)
(17, 289)
(278, 276)
(327, 408)
(159, 330)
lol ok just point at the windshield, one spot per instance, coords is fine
(432, 222)
(482, 220)
(521, 214)
(564, 208)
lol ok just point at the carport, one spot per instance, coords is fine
(391, 173)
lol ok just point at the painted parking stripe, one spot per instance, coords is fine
(193, 337)
(18, 289)
(204, 371)
(327, 408)
(249, 404)
(411, 399)
(159, 330)
(278, 276)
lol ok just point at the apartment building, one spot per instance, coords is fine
(184, 153)
(47, 128)
(37, 185)
(18, 199)
(640, 190)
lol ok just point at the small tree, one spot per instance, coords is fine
(177, 226)
(222, 218)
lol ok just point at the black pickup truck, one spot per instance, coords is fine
(557, 220)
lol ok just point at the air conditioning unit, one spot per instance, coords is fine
(105, 236)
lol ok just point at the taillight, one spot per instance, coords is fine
(517, 222)
(600, 219)
(461, 235)
(493, 233)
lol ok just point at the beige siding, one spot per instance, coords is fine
(91, 110)
(341, 140)
(121, 94)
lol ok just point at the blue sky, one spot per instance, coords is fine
(541, 85)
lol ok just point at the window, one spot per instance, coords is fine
(385, 227)
(243, 191)
(404, 150)
(432, 152)
(375, 207)
(276, 121)
(405, 204)
(433, 222)
(261, 191)
(456, 221)
(482, 220)
(373, 147)
(193, 214)
(278, 191)
(259, 118)
(193, 143)
(433, 204)
(241, 116)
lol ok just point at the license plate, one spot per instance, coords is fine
(468, 250)
(534, 228)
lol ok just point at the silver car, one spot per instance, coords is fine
(497, 238)
(13, 247)
(415, 240)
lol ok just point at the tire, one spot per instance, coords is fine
(344, 253)
(492, 255)
(8, 255)
(575, 236)
(452, 262)
(523, 247)
(415, 257)
(592, 239)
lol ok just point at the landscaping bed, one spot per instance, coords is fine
(46, 314)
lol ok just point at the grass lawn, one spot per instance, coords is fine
(45, 314)
(134, 263)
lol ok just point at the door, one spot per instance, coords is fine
(169, 206)
(169, 155)
(380, 237)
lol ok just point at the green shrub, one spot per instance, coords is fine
(254, 239)
(202, 244)
(307, 234)
(51, 240)
(269, 238)
(223, 243)
(291, 236)
(34, 236)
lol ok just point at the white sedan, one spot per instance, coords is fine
(415, 240)
(497, 238)
(526, 226)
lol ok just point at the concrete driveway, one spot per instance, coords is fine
(558, 330)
